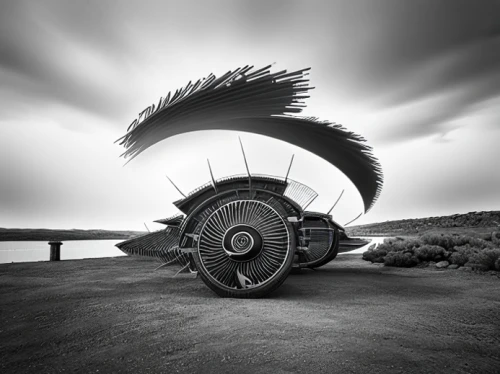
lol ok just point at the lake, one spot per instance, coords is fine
(31, 251)
(375, 240)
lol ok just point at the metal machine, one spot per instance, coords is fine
(243, 234)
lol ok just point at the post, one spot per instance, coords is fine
(55, 251)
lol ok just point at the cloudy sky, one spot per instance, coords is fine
(420, 80)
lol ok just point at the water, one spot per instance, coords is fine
(77, 249)
(375, 240)
(31, 251)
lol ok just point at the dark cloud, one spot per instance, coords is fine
(414, 69)
(37, 50)
(438, 112)
(368, 50)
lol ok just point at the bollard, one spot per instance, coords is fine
(55, 251)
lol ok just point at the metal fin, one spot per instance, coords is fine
(246, 165)
(177, 188)
(354, 219)
(289, 167)
(336, 202)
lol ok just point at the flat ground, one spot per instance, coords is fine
(118, 315)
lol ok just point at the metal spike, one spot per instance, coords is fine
(246, 165)
(335, 202)
(177, 188)
(147, 228)
(289, 167)
(212, 176)
(348, 223)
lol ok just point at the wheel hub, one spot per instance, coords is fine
(242, 242)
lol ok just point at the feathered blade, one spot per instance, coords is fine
(239, 93)
(175, 220)
(162, 245)
(263, 103)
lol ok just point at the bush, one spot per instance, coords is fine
(486, 257)
(457, 249)
(431, 253)
(480, 243)
(375, 255)
(405, 245)
(448, 242)
(461, 254)
(495, 238)
(400, 259)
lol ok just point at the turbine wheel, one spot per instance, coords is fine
(245, 249)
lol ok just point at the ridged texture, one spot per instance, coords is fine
(258, 102)
(175, 220)
(300, 193)
(163, 245)
(238, 215)
(319, 239)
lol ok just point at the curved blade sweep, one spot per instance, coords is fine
(260, 102)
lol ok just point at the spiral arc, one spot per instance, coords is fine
(244, 244)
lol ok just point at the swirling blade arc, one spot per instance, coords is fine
(243, 234)
(259, 102)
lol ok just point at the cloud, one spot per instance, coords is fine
(436, 112)
(73, 75)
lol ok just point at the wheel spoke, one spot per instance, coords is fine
(243, 241)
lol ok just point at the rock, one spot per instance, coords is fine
(431, 263)
(442, 264)
(453, 266)
(479, 267)
(463, 268)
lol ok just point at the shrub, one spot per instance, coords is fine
(449, 242)
(400, 259)
(486, 237)
(461, 254)
(480, 243)
(431, 253)
(495, 237)
(446, 242)
(406, 245)
(375, 255)
(486, 257)
(497, 264)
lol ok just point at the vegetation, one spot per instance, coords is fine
(460, 250)
(473, 223)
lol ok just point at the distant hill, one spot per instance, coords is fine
(473, 222)
(61, 235)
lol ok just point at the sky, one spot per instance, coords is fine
(420, 80)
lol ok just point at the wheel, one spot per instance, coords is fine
(321, 240)
(245, 249)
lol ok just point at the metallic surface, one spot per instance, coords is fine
(258, 102)
(233, 271)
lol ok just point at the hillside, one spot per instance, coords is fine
(473, 222)
(46, 234)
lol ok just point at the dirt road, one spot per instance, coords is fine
(118, 315)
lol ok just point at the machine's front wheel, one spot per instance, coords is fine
(245, 249)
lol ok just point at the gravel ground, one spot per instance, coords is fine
(117, 315)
